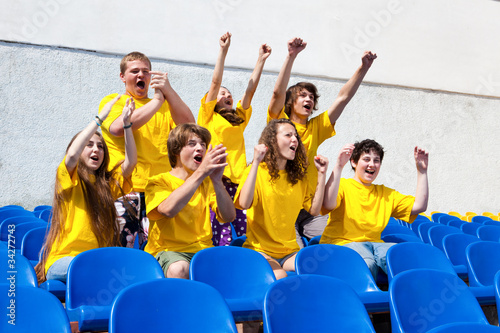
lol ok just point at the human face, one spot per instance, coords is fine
(303, 106)
(224, 99)
(367, 167)
(192, 153)
(93, 153)
(286, 138)
(137, 78)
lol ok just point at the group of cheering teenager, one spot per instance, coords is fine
(175, 183)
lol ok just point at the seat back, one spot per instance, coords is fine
(423, 231)
(456, 223)
(437, 233)
(489, 233)
(435, 216)
(96, 276)
(483, 262)
(32, 243)
(336, 261)
(250, 272)
(446, 219)
(16, 269)
(418, 221)
(454, 246)
(170, 305)
(7, 226)
(396, 229)
(22, 228)
(423, 299)
(12, 212)
(406, 256)
(470, 228)
(34, 310)
(42, 207)
(480, 219)
(314, 303)
(45, 214)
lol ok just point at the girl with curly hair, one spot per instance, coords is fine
(274, 189)
(84, 214)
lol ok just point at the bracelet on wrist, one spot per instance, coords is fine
(127, 126)
(97, 122)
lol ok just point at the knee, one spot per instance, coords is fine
(280, 274)
(179, 270)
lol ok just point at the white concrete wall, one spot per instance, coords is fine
(49, 93)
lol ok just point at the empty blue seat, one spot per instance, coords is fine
(480, 219)
(489, 233)
(170, 305)
(32, 244)
(250, 277)
(9, 226)
(456, 223)
(15, 268)
(470, 228)
(423, 299)
(407, 256)
(96, 276)
(42, 207)
(454, 246)
(437, 233)
(35, 310)
(483, 260)
(423, 231)
(396, 229)
(435, 217)
(314, 303)
(345, 264)
(446, 219)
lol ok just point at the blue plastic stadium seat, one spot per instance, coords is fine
(96, 276)
(347, 265)
(423, 299)
(241, 275)
(170, 305)
(314, 303)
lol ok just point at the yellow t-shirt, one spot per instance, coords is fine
(230, 136)
(190, 230)
(275, 207)
(363, 212)
(77, 235)
(150, 140)
(312, 134)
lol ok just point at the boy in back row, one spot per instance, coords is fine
(151, 123)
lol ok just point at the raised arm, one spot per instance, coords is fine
(130, 149)
(264, 53)
(140, 117)
(295, 46)
(180, 197)
(179, 110)
(332, 187)
(225, 204)
(248, 187)
(75, 150)
(422, 195)
(224, 42)
(321, 164)
(349, 89)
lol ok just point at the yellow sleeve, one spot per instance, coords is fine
(281, 115)
(402, 206)
(65, 180)
(206, 112)
(157, 190)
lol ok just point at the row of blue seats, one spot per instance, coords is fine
(111, 298)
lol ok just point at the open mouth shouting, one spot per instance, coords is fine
(141, 84)
(198, 158)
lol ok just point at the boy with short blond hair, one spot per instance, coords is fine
(151, 124)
